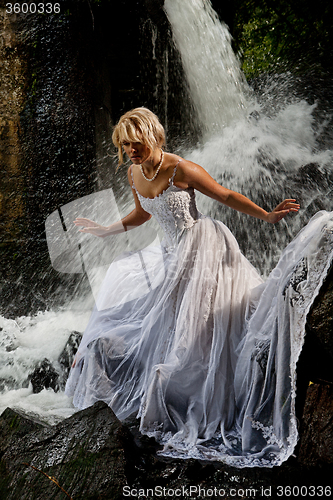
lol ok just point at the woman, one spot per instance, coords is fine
(204, 356)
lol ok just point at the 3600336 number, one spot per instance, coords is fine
(304, 491)
(32, 8)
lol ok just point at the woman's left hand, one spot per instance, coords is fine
(282, 210)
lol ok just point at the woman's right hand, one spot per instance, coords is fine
(91, 227)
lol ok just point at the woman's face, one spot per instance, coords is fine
(137, 152)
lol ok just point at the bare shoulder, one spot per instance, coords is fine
(171, 160)
(189, 172)
(130, 173)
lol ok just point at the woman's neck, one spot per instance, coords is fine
(152, 162)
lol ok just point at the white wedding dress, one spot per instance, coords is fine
(206, 354)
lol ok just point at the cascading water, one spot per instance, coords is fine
(267, 151)
(216, 82)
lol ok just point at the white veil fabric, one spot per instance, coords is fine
(204, 353)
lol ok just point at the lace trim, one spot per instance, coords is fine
(175, 447)
(267, 432)
(174, 210)
(209, 306)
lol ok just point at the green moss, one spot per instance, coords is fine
(275, 36)
(258, 55)
(15, 422)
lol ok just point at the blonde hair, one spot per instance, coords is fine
(138, 125)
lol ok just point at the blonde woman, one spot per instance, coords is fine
(203, 357)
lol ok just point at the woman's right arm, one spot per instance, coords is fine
(136, 218)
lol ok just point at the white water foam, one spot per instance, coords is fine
(23, 344)
(263, 159)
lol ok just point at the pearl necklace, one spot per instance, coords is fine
(157, 171)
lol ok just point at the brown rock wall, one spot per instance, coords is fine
(13, 69)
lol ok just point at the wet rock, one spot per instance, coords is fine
(316, 445)
(315, 367)
(320, 318)
(47, 147)
(316, 361)
(84, 454)
(44, 376)
(92, 455)
(13, 426)
(155, 11)
(67, 355)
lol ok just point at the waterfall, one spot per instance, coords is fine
(216, 82)
(266, 147)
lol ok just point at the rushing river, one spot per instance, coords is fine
(265, 145)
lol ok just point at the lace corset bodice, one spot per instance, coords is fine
(174, 209)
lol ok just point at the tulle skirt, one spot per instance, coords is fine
(194, 343)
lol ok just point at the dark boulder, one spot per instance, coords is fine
(84, 454)
(320, 318)
(44, 376)
(47, 376)
(66, 357)
(316, 445)
(315, 381)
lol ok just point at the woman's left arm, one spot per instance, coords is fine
(195, 176)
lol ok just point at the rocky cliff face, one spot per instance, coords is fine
(47, 150)
(12, 85)
(13, 71)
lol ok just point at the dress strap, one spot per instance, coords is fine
(174, 172)
(133, 185)
(170, 180)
